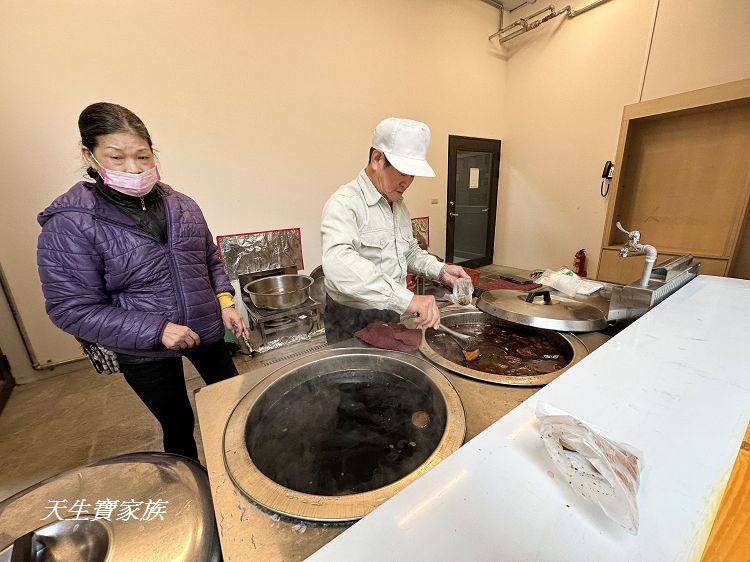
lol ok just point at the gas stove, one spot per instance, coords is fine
(306, 318)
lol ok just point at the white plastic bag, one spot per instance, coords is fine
(568, 283)
(596, 467)
(463, 291)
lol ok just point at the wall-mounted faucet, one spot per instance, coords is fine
(633, 247)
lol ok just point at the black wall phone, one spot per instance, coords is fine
(607, 174)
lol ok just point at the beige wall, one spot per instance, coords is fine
(567, 83)
(260, 109)
(698, 44)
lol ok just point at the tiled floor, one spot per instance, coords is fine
(74, 419)
(80, 417)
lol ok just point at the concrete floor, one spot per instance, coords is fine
(80, 417)
(74, 419)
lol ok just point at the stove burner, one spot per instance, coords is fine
(308, 315)
(279, 322)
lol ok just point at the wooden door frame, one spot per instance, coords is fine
(455, 143)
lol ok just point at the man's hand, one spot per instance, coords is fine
(453, 273)
(234, 323)
(426, 311)
(177, 337)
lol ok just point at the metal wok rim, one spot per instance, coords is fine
(579, 352)
(312, 507)
(263, 280)
(279, 301)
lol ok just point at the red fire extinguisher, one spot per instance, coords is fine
(579, 263)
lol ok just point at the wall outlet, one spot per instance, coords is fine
(434, 201)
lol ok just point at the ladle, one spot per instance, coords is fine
(468, 344)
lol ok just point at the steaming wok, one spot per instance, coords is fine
(510, 354)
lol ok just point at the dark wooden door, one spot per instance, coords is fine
(473, 176)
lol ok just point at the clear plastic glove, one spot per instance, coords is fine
(452, 273)
(463, 291)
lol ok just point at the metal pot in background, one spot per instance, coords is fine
(279, 292)
(318, 288)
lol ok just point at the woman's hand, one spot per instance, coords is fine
(453, 273)
(234, 323)
(177, 337)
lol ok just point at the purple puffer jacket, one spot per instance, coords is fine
(107, 281)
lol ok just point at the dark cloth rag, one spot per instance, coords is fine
(390, 336)
(342, 321)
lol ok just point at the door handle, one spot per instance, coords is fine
(453, 214)
(485, 210)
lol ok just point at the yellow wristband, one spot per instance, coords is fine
(225, 300)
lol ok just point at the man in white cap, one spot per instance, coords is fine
(367, 241)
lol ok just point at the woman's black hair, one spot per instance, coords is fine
(104, 118)
(107, 118)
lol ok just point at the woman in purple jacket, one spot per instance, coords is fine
(129, 264)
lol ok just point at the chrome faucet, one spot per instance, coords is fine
(633, 247)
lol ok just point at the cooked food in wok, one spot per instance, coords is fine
(503, 351)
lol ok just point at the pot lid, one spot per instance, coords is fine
(541, 309)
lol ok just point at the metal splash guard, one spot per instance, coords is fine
(252, 252)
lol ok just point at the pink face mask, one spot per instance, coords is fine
(136, 185)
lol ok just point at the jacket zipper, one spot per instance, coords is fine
(181, 306)
(171, 262)
(143, 204)
(134, 230)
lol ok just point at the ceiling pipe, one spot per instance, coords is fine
(527, 26)
(494, 4)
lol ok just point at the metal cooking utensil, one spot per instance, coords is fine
(468, 344)
(247, 344)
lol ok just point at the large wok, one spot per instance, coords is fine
(279, 292)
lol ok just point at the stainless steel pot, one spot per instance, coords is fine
(279, 292)
(573, 350)
(332, 435)
(184, 531)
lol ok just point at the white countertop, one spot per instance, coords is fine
(675, 384)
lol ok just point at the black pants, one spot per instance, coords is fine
(160, 384)
(342, 321)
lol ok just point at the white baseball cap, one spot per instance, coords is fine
(404, 142)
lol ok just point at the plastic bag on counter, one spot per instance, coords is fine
(463, 291)
(596, 467)
(568, 283)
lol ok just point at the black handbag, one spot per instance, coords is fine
(102, 359)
